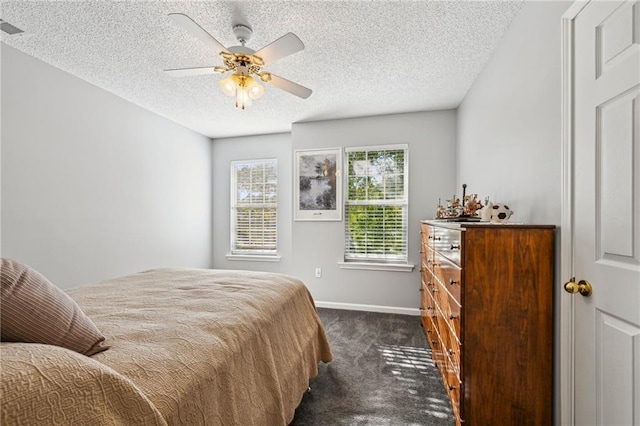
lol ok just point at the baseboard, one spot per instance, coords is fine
(369, 308)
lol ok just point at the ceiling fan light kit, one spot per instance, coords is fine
(243, 87)
(244, 63)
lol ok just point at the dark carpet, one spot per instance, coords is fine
(381, 374)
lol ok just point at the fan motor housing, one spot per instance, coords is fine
(241, 49)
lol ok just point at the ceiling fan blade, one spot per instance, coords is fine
(197, 31)
(185, 72)
(286, 45)
(290, 86)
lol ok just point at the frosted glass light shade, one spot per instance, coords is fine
(255, 90)
(228, 85)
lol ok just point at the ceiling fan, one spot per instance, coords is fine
(245, 64)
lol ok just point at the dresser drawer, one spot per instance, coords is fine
(453, 352)
(427, 313)
(426, 229)
(427, 322)
(426, 298)
(428, 306)
(448, 242)
(428, 259)
(450, 340)
(448, 274)
(453, 386)
(435, 340)
(448, 309)
(450, 313)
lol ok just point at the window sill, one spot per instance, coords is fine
(255, 257)
(376, 266)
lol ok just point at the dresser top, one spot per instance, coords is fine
(460, 225)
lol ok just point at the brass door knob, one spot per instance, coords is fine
(583, 287)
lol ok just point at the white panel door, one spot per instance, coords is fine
(607, 213)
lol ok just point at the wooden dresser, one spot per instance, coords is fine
(487, 311)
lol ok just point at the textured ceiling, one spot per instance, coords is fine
(361, 58)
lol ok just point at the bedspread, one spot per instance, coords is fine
(214, 347)
(44, 384)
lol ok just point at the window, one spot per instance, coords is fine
(376, 204)
(254, 207)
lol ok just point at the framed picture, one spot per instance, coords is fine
(317, 184)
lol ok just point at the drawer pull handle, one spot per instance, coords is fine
(451, 351)
(434, 342)
(451, 387)
(455, 246)
(452, 317)
(431, 237)
(453, 282)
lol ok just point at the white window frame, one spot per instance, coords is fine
(377, 261)
(259, 254)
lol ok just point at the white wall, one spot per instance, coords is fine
(431, 138)
(307, 245)
(93, 186)
(509, 136)
(245, 148)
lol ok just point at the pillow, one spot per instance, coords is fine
(33, 310)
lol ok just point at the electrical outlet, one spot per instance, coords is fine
(318, 272)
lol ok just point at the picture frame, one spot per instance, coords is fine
(317, 184)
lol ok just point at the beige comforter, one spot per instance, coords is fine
(188, 346)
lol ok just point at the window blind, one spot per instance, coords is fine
(376, 204)
(254, 198)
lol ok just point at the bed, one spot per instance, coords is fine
(185, 347)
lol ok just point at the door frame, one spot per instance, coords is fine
(566, 332)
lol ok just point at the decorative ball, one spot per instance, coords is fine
(500, 213)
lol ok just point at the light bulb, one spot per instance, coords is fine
(256, 90)
(228, 85)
